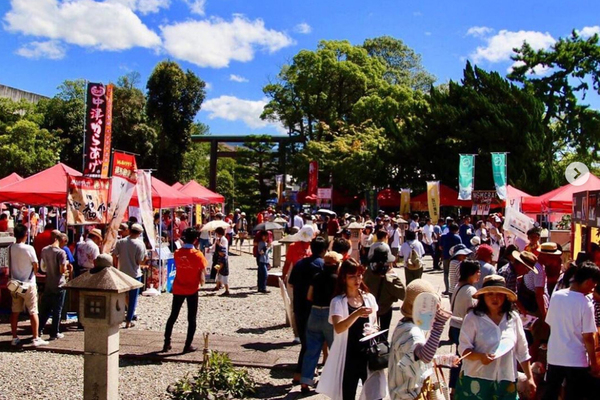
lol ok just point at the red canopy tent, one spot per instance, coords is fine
(448, 198)
(10, 179)
(177, 185)
(164, 196)
(338, 198)
(200, 194)
(388, 198)
(559, 200)
(46, 188)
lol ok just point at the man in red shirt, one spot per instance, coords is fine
(190, 265)
(3, 222)
(43, 239)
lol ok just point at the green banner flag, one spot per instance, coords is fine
(499, 170)
(466, 176)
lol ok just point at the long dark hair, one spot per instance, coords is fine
(349, 267)
(481, 308)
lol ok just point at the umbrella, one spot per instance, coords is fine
(280, 220)
(212, 225)
(326, 212)
(401, 220)
(267, 226)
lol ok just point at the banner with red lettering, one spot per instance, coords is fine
(144, 194)
(98, 130)
(87, 200)
(313, 179)
(123, 181)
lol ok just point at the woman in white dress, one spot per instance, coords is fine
(350, 310)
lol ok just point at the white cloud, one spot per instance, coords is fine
(427, 33)
(303, 28)
(589, 31)
(538, 70)
(479, 31)
(215, 43)
(196, 6)
(104, 26)
(51, 49)
(500, 46)
(143, 6)
(237, 78)
(232, 108)
(417, 14)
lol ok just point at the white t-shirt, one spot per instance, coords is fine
(298, 221)
(570, 315)
(405, 250)
(414, 226)
(396, 236)
(86, 254)
(21, 257)
(427, 234)
(462, 303)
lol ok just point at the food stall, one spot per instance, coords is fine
(585, 221)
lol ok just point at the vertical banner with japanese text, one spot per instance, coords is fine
(313, 179)
(123, 183)
(98, 130)
(279, 188)
(87, 200)
(499, 167)
(466, 176)
(433, 200)
(144, 193)
(404, 201)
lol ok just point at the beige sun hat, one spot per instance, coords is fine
(96, 232)
(526, 258)
(413, 289)
(495, 284)
(332, 258)
(550, 248)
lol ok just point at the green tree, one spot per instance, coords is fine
(403, 65)
(484, 114)
(257, 160)
(26, 149)
(569, 70)
(174, 99)
(130, 130)
(64, 117)
(196, 159)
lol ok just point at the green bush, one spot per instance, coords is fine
(217, 380)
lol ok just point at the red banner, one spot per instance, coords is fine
(313, 179)
(124, 166)
(98, 130)
(87, 200)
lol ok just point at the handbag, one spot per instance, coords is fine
(378, 353)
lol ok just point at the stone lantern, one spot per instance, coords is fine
(101, 312)
(277, 235)
(355, 229)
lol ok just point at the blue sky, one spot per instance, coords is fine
(236, 46)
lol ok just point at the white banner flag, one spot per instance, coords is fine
(144, 192)
(517, 223)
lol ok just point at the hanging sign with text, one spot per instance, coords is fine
(98, 130)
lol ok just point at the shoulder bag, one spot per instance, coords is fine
(15, 286)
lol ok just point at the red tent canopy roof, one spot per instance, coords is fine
(177, 185)
(388, 198)
(448, 197)
(10, 179)
(46, 188)
(560, 200)
(201, 194)
(164, 196)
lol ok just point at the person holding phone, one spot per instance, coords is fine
(350, 310)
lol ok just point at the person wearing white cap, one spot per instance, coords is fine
(86, 252)
(299, 249)
(128, 254)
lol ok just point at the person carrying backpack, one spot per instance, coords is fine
(412, 252)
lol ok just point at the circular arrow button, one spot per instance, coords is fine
(577, 173)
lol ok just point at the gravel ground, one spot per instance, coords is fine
(245, 312)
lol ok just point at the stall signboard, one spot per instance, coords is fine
(517, 223)
(586, 208)
(482, 201)
(98, 130)
(87, 200)
(324, 197)
(313, 178)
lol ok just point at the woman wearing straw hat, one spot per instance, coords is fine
(489, 369)
(349, 311)
(410, 364)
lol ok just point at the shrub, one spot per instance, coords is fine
(217, 380)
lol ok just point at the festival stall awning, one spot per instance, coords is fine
(10, 179)
(448, 198)
(339, 198)
(559, 200)
(46, 188)
(177, 185)
(164, 196)
(200, 194)
(388, 198)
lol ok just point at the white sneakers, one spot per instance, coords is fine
(38, 341)
(58, 336)
(15, 342)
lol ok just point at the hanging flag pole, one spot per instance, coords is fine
(499, 170)
(466, 176)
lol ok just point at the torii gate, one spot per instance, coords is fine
(214, 141)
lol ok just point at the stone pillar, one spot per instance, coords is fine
(277, 235)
